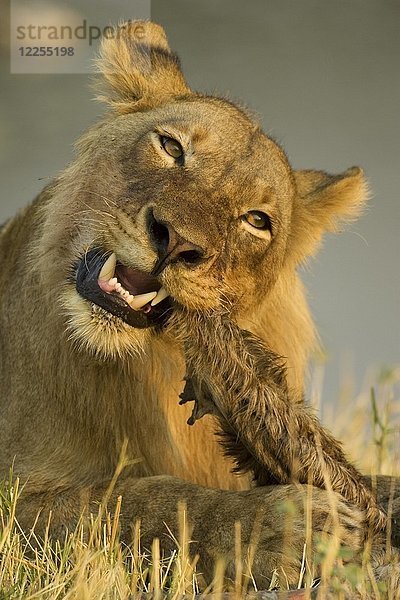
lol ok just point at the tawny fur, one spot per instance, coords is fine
(77, 383)
(264, 431)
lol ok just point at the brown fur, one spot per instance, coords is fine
(77, 382)
(233, 374)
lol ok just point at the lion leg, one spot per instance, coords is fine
(387, 490)
(273, 520)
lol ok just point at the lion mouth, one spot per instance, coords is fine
(133, 295)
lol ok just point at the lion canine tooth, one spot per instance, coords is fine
(161, 295)
(108, 269)
(139, 301)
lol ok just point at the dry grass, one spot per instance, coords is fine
(98, 566)
(368, 423)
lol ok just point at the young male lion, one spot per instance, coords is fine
(175, 198)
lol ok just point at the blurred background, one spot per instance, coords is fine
(323, 76)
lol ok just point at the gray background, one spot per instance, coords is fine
(323, 76)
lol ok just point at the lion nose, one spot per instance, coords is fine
(170, 246)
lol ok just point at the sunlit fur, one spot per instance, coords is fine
(76, 384)
(268, 435)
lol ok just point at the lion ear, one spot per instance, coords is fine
(138, 68)
(322, 203)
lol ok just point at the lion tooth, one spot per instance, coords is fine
(139, 301)
(108, 269)
(105, 286)
(161, 295)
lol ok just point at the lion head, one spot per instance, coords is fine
(176, 197)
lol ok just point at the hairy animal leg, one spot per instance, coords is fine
(264, 431)
(277, 535)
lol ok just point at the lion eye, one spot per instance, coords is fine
(172, 147)
(257, 219)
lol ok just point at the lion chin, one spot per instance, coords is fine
(112, 311)
(115, 310)
(100, 333)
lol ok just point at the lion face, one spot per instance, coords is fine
(177, 198)
(197, 203)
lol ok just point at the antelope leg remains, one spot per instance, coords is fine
(232, 374)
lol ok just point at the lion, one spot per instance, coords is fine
(175, 198)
